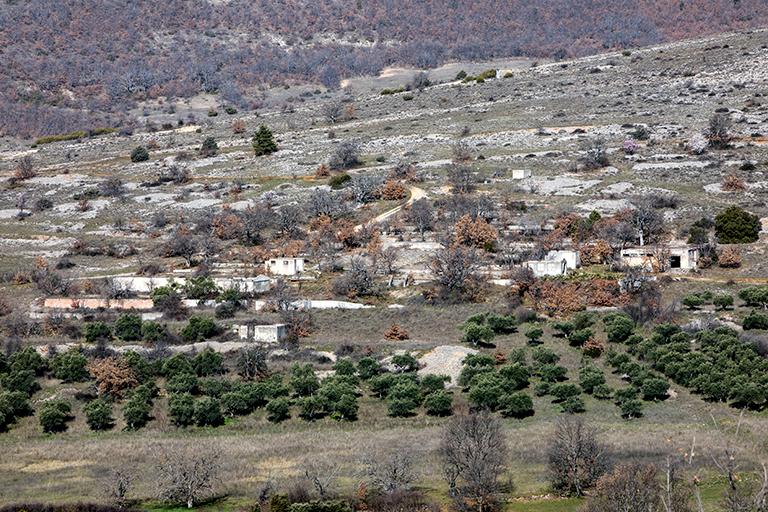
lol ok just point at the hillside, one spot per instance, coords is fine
(417, 207)
(75, 65)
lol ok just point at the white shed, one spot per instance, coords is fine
(285, 266)
(521, 174)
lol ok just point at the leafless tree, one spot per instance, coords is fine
(256, 219)
(281, 296)
(741, 494)
(391, 473)
(454, 267)
(356, 281)
(25, 169)
(323, 202)
(117, 484)
(719, 131)
(187, 474)
(461, 152)
(576, 458)
(420, 81)
(386, 259)
(112, 187)
(421, 215)
(647, 221)
(366, 188)
(181, 243)
(333, 111)
(473, 451)
(252, 362)
(289, 220)
(323, 478)
(462, 179)
(345, 155)
(629, 488)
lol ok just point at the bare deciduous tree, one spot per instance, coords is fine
(576, 458)
(186, 474)
(117, 484)
(421, 215)
(474, 456)
(462, 179)
(391, 473)
(345, 156)
(454, 267)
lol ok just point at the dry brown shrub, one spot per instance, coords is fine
(596, 252)
(729, 257)
(113, 375)
(396, 332)
(238, 126)
(733, 183)
(228, 225)
(323, 171)
(475, 232)
(393, 191)
(593, 348)
(24, 169)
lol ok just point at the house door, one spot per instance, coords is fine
(674, 262)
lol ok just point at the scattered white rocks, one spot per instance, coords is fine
(445, 360)
(604, 206)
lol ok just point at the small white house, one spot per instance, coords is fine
(659, 258)
(261, 333)
(285, 266)
(555, 263)
(521, 174)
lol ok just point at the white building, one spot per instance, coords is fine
(662, 257)
(521, 174)
(555, 263)
(285, 266)
(261, 333)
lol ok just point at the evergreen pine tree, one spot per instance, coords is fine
(263, 141)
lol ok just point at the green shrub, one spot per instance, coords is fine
(201, 288)
(431, 383)
(208, 362)
(516, 405)
(181, 408)
(70, 366)
(545, 355)
(54, 415)
(139, 154)
(176, 364)
(47, 139)
(735, 225)
(338, 181)
(182, 383)
(755, 320)
(572, 405)
(98, 414)
(654, 389)
(602, 392)
(552, 372)
(564, 391)
(439, 403)
(516, 376)
(137, 412)
(209, 147)
(199, 328)
(97, 331)
(618, 327)
(580, 337)
(345, 366)
(311, 408)
(502, 324)
(236, 403)
(631, 409)
(128, 327)
(208, 412)
(27, 359)
(723, 302)
(303, 379)
(591, 377)
(693, 301)
(368, 368)
(278, 409)
(403, 398)
(405, 363)
(534, 335)
(542, 389)
(22, 381)
(153, 332)
(755, 296)
(345, 408)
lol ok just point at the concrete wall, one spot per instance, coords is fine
(572, 258)
(94, 303)
(261, 333)
(547, 268)
(145, 285)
